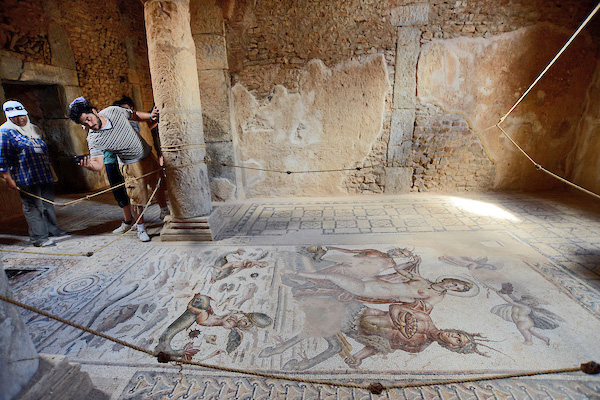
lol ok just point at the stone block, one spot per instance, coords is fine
(18, 356)
(211, 52)
(405, 76)
(401, 134)
(214, 97)
(132, 76)
(130, 48)
(62, 54)
(206, 17)
(397, 180)
(49, 74)
(10, 68)
(221, 152)
(411, 15)
(222, 189)
(203, 229)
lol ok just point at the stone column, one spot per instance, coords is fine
(398, 178)
(172, 57)
(18, 357)
(208, 31)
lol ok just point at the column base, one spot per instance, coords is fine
(199, 229)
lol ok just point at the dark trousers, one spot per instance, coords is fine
(40, 215)
(115, 178)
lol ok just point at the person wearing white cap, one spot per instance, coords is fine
(25, 166)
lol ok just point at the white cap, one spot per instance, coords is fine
(13, 108)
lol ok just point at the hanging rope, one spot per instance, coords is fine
(91, 253)
(497, 125)
(374, 387)
(87, 197)
(585, 22)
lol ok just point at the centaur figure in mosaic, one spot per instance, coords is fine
(405, 327)
(346, 287)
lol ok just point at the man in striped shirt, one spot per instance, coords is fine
(110, 130)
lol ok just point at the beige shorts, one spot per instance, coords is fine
(137, 187)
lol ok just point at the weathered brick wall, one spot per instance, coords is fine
(24, 30)
(484, 18)
(97, 36)
(97, 33)
(448, 155)
(270, 42)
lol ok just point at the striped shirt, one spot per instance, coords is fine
(119, 138)
(26, 159)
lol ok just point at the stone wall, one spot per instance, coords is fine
(584, 160)
(446, 72)
(433, 125)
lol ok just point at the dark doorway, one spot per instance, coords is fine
(43, 102)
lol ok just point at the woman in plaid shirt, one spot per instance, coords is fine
(25, 165)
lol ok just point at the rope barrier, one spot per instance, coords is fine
(91, 253)
(86, 197)
(539, 167)
(590, 367)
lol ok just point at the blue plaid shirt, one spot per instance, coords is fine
(25, 158)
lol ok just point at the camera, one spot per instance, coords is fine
(78, 159)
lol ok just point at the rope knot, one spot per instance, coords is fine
(591, 367)
(538, 166)
(163, 357)
(376, 388)
(288, 172)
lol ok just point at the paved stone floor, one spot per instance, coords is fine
(535, 257)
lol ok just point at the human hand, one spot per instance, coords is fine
(11, 183)
(84, 162)
(154, 114)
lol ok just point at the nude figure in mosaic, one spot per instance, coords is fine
(401, 286)
(366, 263)
(199, 310)
(235, 262)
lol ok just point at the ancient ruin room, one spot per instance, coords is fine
(300, 199)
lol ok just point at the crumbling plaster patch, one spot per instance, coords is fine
(331, 122)
(482, 78)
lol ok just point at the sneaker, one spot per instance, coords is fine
(164, 213)
(45, 243)
(60, 234)
(143, 236)
(123, 228)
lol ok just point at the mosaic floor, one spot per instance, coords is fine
(392, 289)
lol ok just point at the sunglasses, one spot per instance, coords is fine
(14, 108)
